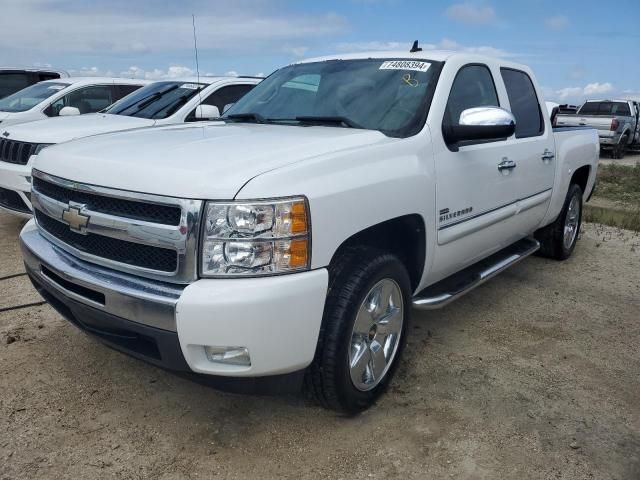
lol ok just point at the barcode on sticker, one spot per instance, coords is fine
(405, 65)
(190, 86)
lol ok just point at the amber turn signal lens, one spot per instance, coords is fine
(298, 253)
(298, 218)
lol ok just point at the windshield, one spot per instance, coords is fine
(31, 96)
(388, 95)
(156, 101)
(605, 108)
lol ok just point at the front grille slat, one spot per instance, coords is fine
(12, 151)
(129, 253)
(136, 210)
(11, 200)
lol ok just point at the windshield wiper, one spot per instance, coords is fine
(329, 120)
(255, 117)
(145, 102)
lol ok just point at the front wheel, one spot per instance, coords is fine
(558, 240)
(364, 330)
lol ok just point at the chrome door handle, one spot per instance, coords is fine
(506, 164)
(547, 156)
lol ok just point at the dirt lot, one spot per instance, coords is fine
(534, 375)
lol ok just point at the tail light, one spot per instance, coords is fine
(614, 124)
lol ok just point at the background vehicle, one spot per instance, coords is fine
(292, 241)
(159, 103)
(617, 122)
(15, 79)
(67, 96)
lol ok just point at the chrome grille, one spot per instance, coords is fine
(147, 235)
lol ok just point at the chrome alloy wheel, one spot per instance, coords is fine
(571, 222)
(376, 334)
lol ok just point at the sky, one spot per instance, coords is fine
(578, 49)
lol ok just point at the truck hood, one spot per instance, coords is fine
(210, 161)
(63, 129)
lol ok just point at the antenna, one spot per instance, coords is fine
(415, 47)
(195, 47)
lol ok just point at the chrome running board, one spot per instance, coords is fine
(445, 291)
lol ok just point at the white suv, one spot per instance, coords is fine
(65, 96)
(159, 103)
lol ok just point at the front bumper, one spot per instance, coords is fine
(276, 318)
(16, 179)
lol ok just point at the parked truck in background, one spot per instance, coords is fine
(165, 102)
(290, 243)
(617, 122)
(13, 79)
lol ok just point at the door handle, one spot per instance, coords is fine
(547, 156)
(506, 164)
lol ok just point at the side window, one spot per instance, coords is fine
(472, 87)
(524, 103)
(226, 95)
(87, 100)
(223, 97)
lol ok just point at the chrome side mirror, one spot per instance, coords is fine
(481, 124)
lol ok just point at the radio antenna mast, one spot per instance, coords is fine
(195, 47)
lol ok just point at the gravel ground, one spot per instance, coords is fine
(533, 375)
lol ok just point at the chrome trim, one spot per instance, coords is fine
(136, 299)
(524, 248)
(182, 238)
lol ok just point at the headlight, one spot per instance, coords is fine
(41, 147)
(256, 238)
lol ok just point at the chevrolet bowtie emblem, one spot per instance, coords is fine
(76, 220)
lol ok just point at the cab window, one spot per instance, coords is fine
(472, 87)
(525, 106)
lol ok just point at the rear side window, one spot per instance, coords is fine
(524, 103)
(605, 108)
(472, 87)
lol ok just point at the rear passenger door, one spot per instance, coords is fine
(532, 148)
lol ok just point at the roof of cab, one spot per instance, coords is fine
(423, 55)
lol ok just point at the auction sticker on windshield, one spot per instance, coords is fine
(405, 65)
(190, 86)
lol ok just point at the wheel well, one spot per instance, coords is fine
(581, 177)
(403, 236)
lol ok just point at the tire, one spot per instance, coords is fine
(359, 274)
(620, 149)
(553, 243)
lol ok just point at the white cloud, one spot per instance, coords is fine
(444, 44)
(558, 22)
(471, 14)
(61, 26)
(580, 93)
(597, 88)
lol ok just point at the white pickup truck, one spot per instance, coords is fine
(293, 240)
(165, 102)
